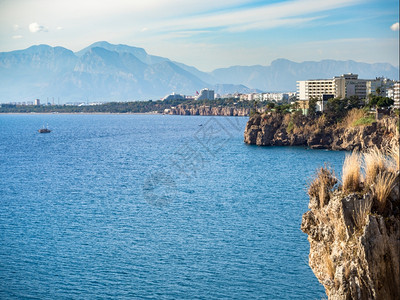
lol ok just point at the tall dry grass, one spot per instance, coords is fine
(382, 187)
(394, 153)
(374, 162)
(351, 117)
(381, 171)
(361, 212)
(322, 185)
(351, 173)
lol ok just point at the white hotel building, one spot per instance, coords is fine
(205, 94)
(343, 86)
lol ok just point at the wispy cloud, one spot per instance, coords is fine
(288, 13)
(35, 27)
(395, 26)
(16, 37)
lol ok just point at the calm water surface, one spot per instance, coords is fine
(148, 206)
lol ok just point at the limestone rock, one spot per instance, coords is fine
(203, 110)
(354, 253)
(271, 129)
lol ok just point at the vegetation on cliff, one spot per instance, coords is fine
(355, 129)
(353, 226)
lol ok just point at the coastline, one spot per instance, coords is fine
(112, 113)
(76, 113)
(274, 129)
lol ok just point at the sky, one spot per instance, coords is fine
(210, 34)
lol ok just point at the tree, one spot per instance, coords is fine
(335, 109)
(353, 102)
(384, 102)
(270, 105)
(312, 107)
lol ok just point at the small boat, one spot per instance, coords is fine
(44, 130)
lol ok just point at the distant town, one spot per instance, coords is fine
(318, 90)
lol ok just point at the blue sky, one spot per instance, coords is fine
(209, 34)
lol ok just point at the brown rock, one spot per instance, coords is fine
(354, 255)
(271, 129)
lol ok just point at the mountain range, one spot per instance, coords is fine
(107, 72)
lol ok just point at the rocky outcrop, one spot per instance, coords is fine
(273, 129)
(355, 248)
(209, 111)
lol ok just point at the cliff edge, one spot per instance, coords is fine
(354, 228)
(357, 131)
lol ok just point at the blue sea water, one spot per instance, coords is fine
(151, 206)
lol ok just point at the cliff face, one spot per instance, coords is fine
(274, 129)
(209, 111)
(354, 249)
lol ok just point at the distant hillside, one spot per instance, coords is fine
(282, 74)
(107, 72)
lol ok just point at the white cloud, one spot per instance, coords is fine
(35, 27)
(16, 37)
(16, 27)
(60, 28)
(395, 26)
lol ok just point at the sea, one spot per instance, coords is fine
(124, 206)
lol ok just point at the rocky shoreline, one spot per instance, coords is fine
(209, 111)
(274, 129)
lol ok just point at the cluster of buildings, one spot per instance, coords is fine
(345, 86)
(37, 102)
(271, 97)
(208, 94)
(205, 94)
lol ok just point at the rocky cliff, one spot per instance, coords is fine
(209, 111)
(354, 234)
(274, 129)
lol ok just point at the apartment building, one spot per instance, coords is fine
(173, 96)
(205, 94)
(343, 86)
(394, 93)
(379, 86)
(276, 97)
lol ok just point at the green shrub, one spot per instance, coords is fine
(367, 120)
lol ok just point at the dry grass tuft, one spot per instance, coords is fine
(340, 230)
(321, 121)
(351, 174)
(382, 187)
(394, 154)
(322, 185)
(361, 212)
(352, 116)
(374, 162)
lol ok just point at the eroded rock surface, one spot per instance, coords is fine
(355, 250)
(273, 129)
(204, 110)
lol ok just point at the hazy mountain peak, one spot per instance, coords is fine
(139, 53)
(111, 47)
(103, 71)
